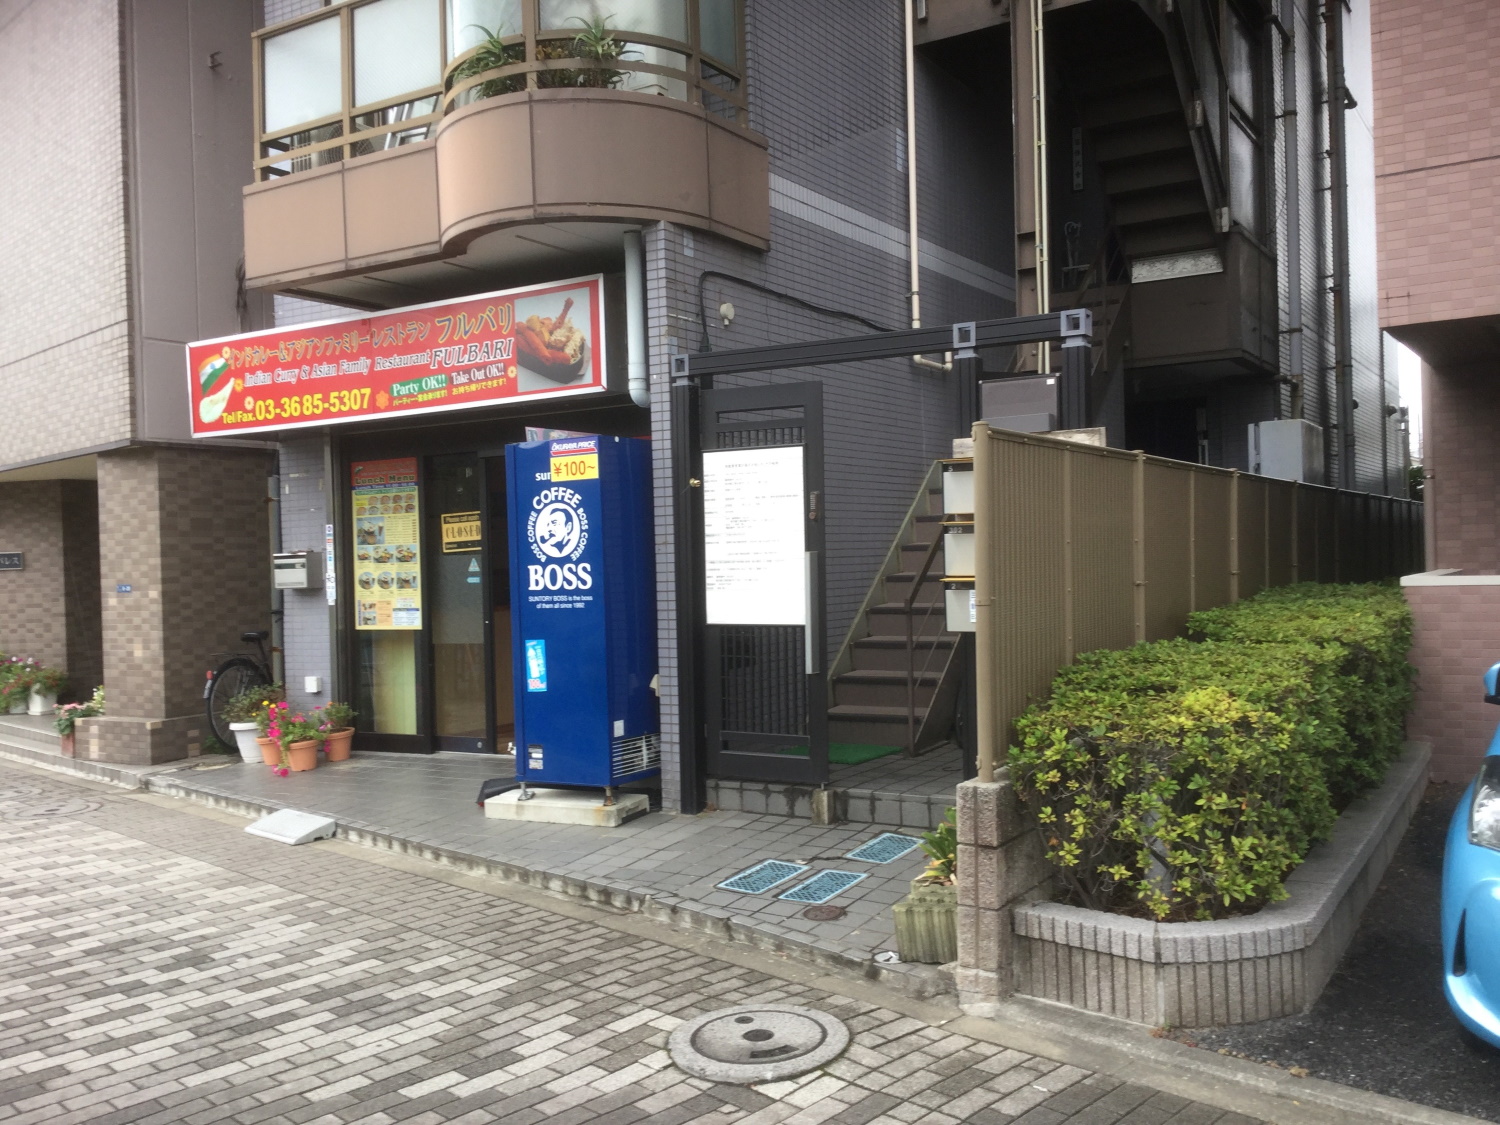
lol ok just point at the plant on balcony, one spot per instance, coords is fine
(596, 43)
(492, 54)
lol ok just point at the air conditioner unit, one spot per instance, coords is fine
(1288, 448)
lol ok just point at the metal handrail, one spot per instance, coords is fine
(911, 653)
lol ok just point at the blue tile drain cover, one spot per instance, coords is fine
(762, 877)
(822, 886)
(884, 848)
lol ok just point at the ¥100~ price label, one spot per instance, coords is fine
(575, 466)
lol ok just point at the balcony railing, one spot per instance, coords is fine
(365, 75)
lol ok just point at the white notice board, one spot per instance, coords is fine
(754, 551)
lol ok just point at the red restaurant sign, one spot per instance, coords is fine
(543, 341)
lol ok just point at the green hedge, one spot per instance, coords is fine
(1184, 779)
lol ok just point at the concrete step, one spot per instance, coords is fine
(889, 653)
(876, 726)
(914, 813)
(883, 687)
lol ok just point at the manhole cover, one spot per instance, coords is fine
(757, 1043)
(823, 913)
(40, 808)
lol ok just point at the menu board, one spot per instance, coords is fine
(754, 546)
(387, 544)
(537, 342)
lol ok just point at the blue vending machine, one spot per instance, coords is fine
(583, 611)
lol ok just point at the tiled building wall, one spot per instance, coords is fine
(188, 532)
(1437, 121)
(63, 270)
(32, 618)
(836, 123)
(1461, 409)
(306, 636)
(1456, 637)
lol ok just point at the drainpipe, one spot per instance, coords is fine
(1293, 176)
(1339, 102)
(635, 319)
(913, 238)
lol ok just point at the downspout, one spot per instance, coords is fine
(1293, 176)
(913, 236)
(1036, 14)
(1339, 102)
(635, 319)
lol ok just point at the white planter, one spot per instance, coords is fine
(18, 708)
(244, 738)
(41, 703)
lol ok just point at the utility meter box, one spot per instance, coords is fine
(297, 570)
(1288, 448)
(583, 611)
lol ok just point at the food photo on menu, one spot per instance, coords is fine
(370, 532)
(552, 344)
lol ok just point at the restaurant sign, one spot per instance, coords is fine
(539, 342)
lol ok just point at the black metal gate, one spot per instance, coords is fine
(765, 705)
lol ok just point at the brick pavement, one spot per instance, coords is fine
(163, 967)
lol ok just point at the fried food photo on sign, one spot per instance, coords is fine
(553, 347)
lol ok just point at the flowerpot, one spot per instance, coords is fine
(336, 745)
(270, 753)
(246, 740)
(69, 746)
(18, 708)
(303, 755)
(41, 702)
(927, 923)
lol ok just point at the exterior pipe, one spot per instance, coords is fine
(1293, 170)
(635, 319)
(1338, 169)
(913, 238)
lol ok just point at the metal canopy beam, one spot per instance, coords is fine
(961, 338)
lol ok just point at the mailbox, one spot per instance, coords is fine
(297, 570)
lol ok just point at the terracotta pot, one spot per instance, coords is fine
(69, 746)
(304, 755)
(270, 753)
(336, 745)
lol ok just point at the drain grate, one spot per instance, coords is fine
(822, 886)
(762, 877)
(884, 848)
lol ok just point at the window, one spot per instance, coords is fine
(395, 49)
(303, 74)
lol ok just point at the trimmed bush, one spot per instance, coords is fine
(1184, 779)
(1371, 625)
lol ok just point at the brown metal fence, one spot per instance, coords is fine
(1080, 548)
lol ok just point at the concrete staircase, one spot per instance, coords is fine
(1121, 77)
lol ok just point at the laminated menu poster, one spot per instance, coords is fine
(387, 544)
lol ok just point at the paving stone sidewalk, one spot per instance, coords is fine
(161, 968)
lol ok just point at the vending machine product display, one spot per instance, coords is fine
(583, 613)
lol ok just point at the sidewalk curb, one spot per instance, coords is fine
(125, 777)
(1126, 1050)
(920, 982)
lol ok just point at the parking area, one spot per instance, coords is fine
(1382, 1024)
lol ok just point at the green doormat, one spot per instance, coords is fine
(856, 753)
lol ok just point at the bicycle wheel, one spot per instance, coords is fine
(234, 676)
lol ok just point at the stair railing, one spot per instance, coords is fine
(858, 627)
(918, 580)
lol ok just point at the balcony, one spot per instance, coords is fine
(397, 133)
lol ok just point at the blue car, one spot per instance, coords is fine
(1471, 895)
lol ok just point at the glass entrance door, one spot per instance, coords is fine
(455, 507)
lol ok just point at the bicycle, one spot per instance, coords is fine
(237, 674)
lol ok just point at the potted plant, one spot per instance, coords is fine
(243, 714)
(16, 688)
(45, 684)
(299, 737)
(927, 919)
(66, 717)
(266, 726)
(338, 730)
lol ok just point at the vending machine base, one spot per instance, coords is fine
(567, 806)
